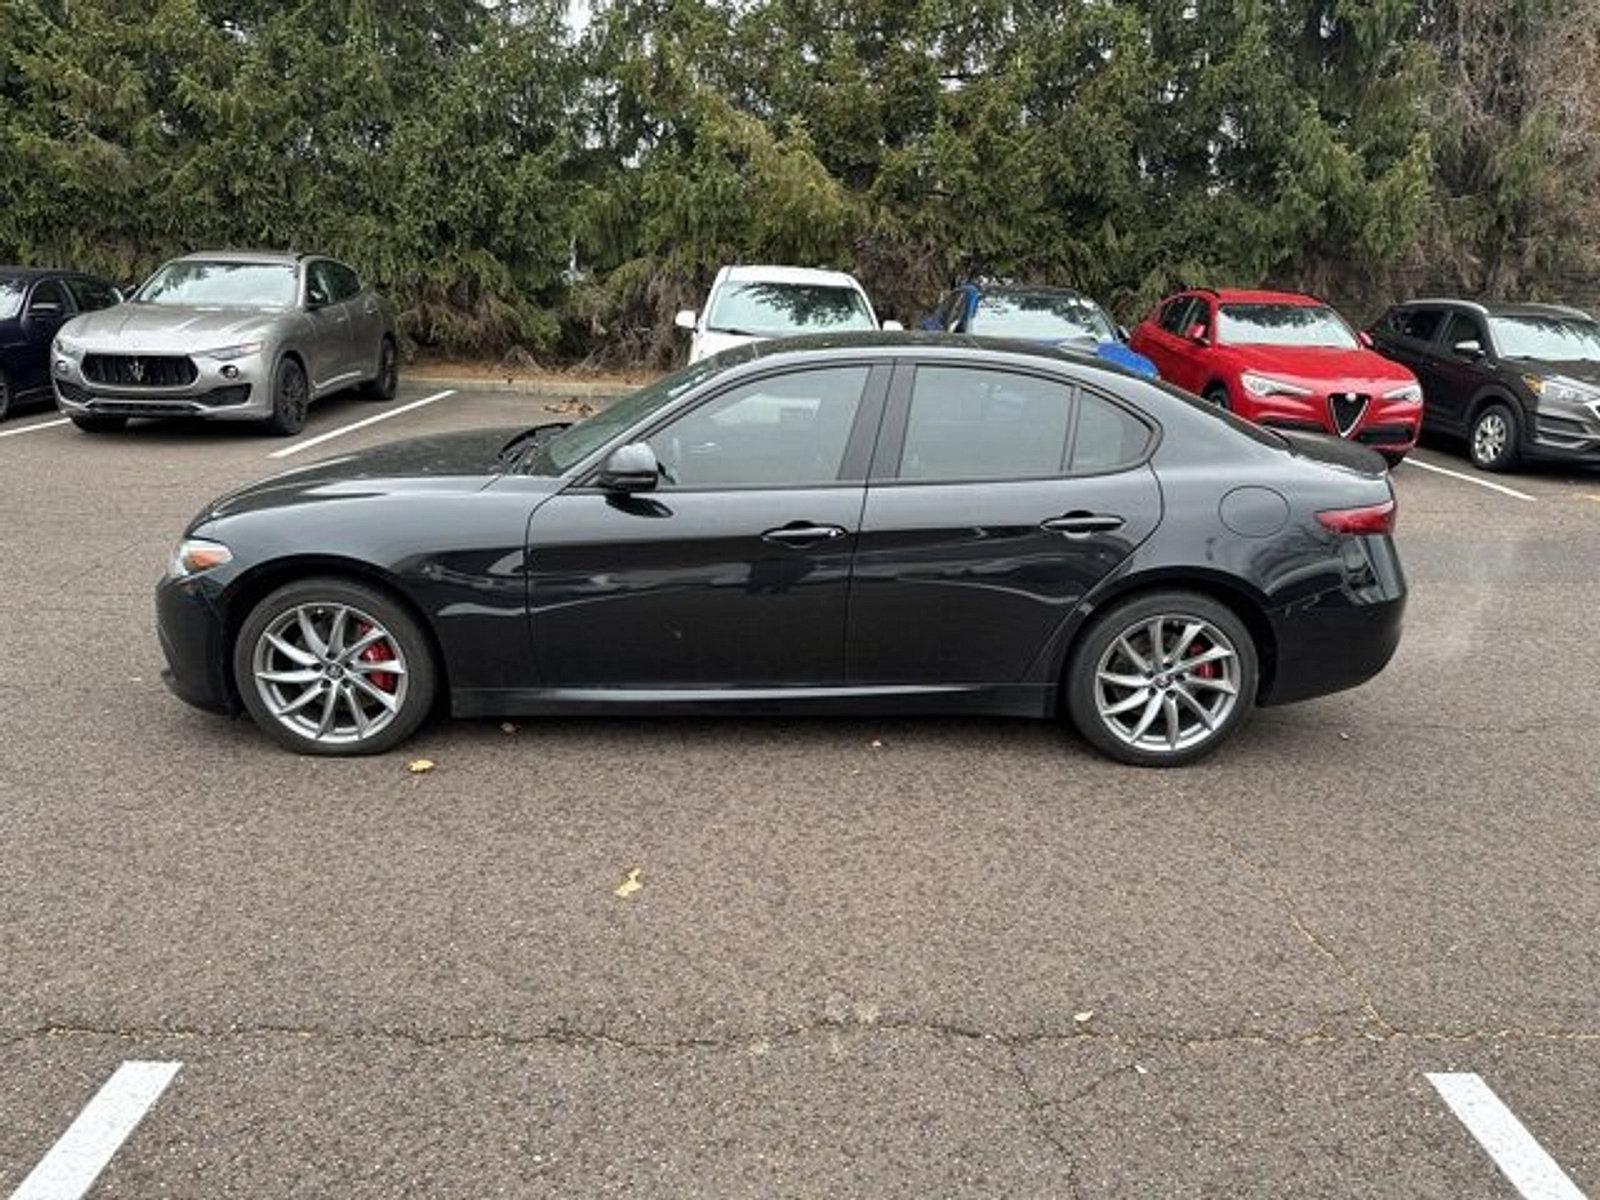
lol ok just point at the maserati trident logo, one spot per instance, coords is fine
(136, 369)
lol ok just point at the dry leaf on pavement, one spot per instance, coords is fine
(630, 885)
(420, 766)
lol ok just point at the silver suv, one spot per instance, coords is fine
(227, 337)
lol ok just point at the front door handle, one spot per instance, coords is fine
(803, 533)
(1082, 524)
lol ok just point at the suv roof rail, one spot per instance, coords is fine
(1472, 304)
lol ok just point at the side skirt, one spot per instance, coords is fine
(1007, 700)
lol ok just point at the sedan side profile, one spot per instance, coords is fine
(34, 304)
(856, 524)
(228, 337)
(1285, 360)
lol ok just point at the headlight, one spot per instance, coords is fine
(195, 555)
(1410, 391)
(229, 353)
(1262, 385)
(1555, 387)
(67, 348)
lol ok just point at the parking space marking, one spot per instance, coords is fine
(351, 428)
(1413, 461)
(1520, 1158)
(84, 1150)
(21, 429)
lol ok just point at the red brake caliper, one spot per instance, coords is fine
(378, 652)
(1206, 670)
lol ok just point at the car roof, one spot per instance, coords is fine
(1263, 296)
(1498, 308)
(31, 273)
(889, 344)
(275, 257)
(1025, 289)
(774, 274)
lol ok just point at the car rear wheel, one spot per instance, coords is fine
(1493, 440)
(387, 381)
(1162, 679)
(1218, 395)
(329, 667)
(90, 424)
(291, 396)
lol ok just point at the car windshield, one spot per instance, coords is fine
(1042, 317)
(1554, 339)
(1283, 325)
(787, 309)
(222, 285)
(11, 293)
(574, 444)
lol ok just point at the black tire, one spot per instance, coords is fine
(90, 424)
(1131, 619)
(417, 681)
(291, 397)
(1494, 441)
(384, 385)
(1218, 395)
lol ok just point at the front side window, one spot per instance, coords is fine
(787, 309)
(781, 431)
(1041, 317)
(343, 281)
(1463, 327)
(220, 284)
(970, 423)
(1284, 325)
(1176, 316)
(1418, 324)
(93, 295)
(1553, 339)
(50, 293)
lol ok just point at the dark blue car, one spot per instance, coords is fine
(1052, 316)
(34, 304)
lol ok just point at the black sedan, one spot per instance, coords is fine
(856, 524)
(34, 304)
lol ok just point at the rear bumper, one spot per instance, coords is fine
(193, 642)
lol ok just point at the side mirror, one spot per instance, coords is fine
(892, 327)
(1365, 339)
(687, 319)
(630, 468)
(1468, 349)
(1197, 334)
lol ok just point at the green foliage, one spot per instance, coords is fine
(512, 181)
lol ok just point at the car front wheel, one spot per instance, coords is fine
(1218, 395)
(329, 667)
(1162, 679)
(291, 396)
(1493, 440)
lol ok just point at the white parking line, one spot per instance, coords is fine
(1520, 1158)
(75, 1162)
(21, 429)
(1411, 460)
(355, 425)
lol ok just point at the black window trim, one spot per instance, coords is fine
(858, 451)
(897, 413)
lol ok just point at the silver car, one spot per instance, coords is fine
(227, 337)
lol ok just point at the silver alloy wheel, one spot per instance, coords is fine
(1490, 437)
(1167, 683)
(330, 673)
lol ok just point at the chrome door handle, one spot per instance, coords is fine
(800, 533)
(1082, 523)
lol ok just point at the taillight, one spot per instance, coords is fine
(1371, 518)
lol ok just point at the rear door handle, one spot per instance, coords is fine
(1082, 523)
(803, 533)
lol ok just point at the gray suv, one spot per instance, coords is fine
(227, 337)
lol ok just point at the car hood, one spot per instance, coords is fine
(1344, 370)
(156, 327)
(1584, 370)
(463, 461)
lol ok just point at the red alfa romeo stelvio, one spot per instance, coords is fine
(1285, 360)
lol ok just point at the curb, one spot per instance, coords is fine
(551, 389)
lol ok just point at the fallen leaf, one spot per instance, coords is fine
(630, 885)
(507, 727)
(1084, 1017)
(420, 766)
(1344, 737)
(877, 744)
(1141, 1069)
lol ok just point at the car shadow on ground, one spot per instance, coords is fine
(324, 413)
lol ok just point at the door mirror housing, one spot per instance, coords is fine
(686, 319)
(630, 468)
(892, 327)
(1197, 334)
(1468, 349)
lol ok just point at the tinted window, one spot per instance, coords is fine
(50, 292)
(92, 294)
(968, 423)
(779, 431)
(1463, 327)
(221, 285)
(1420, 324)
(1106, 437)
(343, 281)
(12, 292)
(1175, 316)
(1283, 325)
(1555, 339)
(320, 288)
(787, 309)
(1041, 316)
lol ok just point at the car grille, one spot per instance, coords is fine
(1385, 435)
(1346, 409)
(139, 370)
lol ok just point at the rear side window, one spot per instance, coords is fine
(969, 423)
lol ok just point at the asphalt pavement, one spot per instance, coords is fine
(874, 958)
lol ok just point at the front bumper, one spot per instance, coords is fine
(1565, 431)
(222, 391)
(193, 639)
(1391, 426)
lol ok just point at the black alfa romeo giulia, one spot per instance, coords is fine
(864, 524)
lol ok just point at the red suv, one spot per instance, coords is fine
(1282, 359)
